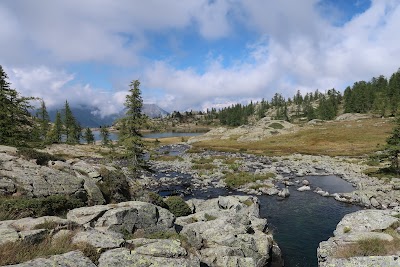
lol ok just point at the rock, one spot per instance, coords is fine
(360, 225)
(124, 257)
(284, 193)
(94, 193)
(87, 169)
(8, 234)
(366, 221)
(33, 236)
(31, 223)
(304, 188)
(305, 182)
(386, 261)
(7, 186)
(130, 216)
(234, 234)
(375, 203)
(162, 248)
(100, 240)
(70, 259)
(87, 215)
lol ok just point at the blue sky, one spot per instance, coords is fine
(194, 54)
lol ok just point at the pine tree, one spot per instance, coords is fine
(393, 147)
(134, 120)
(44, 120)
(15, 120)
(71, 126)
(55, 134)
(105, 136)
(88, 136)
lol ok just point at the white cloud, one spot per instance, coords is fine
(54, 87)
(298, 48)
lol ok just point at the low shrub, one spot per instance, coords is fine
(178, 206)
(57, 205)
(205, 166)
(114, 186)
(156, 199)
(202, 160)
(42, 158)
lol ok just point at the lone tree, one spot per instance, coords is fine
(72, 128)
(393, 147)
(88, 136)
(104, 135)
(130, 126)
(55, 134)
(15, 120)
(44, 120)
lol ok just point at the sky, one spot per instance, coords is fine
(193, 54)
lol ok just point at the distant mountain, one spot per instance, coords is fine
(154, 111)
(90, 116)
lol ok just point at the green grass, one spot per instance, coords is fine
(18, 252)
(235, 180)
(202, 160)
(16, 208)
(383, 173)
(41, 158)
(206, 166)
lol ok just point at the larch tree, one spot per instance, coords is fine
(15, 120)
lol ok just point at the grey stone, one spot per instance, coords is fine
(162, 248)
(86, 215)
(31, 223)
(124, 257)
(373, 261)
(70, 259)
(8, 234)
(33, 236)
(304, 188)
(101, 240)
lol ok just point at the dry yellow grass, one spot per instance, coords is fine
(348, 138)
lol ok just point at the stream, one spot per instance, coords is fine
(299, 223)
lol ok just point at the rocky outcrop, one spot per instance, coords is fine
(249, 133)
(360, 226)
(228, 232)
(72, 177)
(222, 232)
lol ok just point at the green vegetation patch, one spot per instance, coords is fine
(202, 160)
(178, 206)
(206, 166)
(235, 180)
(42, 158)
(114, 186)
(156, 199)
(57, 205)
(276, 126)
(18, 252)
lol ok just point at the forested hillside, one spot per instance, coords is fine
(380, 96)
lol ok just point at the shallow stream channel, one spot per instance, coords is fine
(299, 223)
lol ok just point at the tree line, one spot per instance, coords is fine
(379, 96)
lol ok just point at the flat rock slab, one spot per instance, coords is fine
(163, 248)
(124, 257)
(366, 221)
(102, 240)
(373, 261)
(70, 259)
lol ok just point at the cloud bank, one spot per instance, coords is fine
(296, 47)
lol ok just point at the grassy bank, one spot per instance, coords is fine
(349, 138)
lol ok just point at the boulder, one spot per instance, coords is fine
(304, 188)
(386, 261)
(100, 240)
(70, 259)
(124, 257)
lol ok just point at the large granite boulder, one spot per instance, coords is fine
(228, 232)
(125, 217)
(70, 259)
(358, 227)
